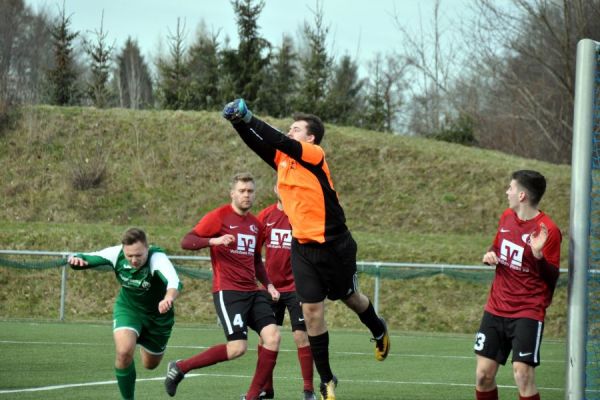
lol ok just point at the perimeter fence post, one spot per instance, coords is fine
(63, 290)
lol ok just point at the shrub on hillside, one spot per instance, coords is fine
(9, 115)
(88, 173)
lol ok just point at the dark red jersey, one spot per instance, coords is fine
(234, 265)
(278, 241)
(520, 288)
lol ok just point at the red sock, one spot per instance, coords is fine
(269, 383)
(264, 368)
(208, 357)
(306, 366)
(534, 397)
(491, 395)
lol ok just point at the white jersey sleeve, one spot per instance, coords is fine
(159, 262)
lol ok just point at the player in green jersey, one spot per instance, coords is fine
(143, 313)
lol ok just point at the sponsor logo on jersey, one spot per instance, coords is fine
(511, 255)
(281, 239)
(246, 244)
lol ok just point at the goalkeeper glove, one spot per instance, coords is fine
(237, 111)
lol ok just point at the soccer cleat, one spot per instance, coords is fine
(382, 344)
(237, 111)
(309, 395)
(174, 376)
(266, 394)
(328, 389)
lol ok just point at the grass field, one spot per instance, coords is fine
(75, 361)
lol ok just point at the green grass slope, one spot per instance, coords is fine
(406, 199)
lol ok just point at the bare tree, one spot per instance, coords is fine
(25, 51)
(433, 61)
(385, 92)
(525, 52)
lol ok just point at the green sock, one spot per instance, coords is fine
(126, 381)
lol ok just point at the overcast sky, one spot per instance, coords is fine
(357, 27)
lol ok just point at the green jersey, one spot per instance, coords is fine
(141, 289)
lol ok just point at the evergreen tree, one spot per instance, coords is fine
(251, 62)
(228, 65)
(275, 96)
(133, 77)
(316, 67)
(100, 55)
(204, 71)
(62, 77)
(344, 96)
(173, 74)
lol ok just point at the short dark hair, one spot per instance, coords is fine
(134, 235)
(533, 182)
(315, 125)
(241, 177)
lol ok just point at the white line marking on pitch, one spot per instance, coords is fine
(355, 381)
(355, 353)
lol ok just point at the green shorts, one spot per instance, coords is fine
(153, 330)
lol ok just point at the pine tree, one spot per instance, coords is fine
(203, 65)
(133, 78)
(316, 68)
(100, 56)
(344, 97)
(251, 62)
(173, 74)
(276, 94)
(62, 78)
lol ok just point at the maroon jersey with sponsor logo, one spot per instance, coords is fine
(233, 265)
(518, 289)
(278, 243)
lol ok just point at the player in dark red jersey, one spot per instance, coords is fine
(235, 238)
(526, 255)
(278, 243)
(323, 250)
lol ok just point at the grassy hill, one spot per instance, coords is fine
(75, 178)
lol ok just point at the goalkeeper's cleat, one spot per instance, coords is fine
(266, 394)
(309, 395)
(237, 111)
(174, 376)
(328, 389)
(382, 344)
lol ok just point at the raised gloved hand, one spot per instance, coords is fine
(237, 111)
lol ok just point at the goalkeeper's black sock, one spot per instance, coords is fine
(319, 345)
(371, 320)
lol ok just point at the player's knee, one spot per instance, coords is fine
(523, 374)
(300, 338)
(236, 348)
(271, 337)
(485, 378)
(123, 359)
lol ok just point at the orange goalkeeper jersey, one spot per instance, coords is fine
(303, 180)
